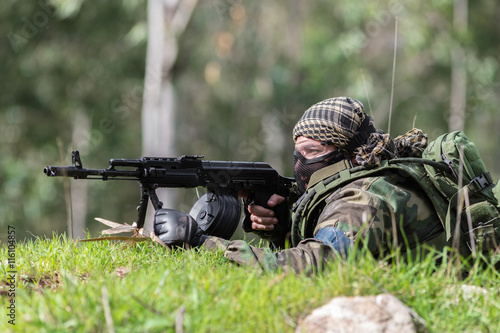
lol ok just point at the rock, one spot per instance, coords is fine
(367, 314)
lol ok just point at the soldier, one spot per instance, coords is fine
(380, 212)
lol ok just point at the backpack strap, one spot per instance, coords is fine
(480, 182)
(329, 171)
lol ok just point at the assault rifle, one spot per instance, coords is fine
(217, 211)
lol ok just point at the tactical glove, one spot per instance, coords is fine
(174, 227)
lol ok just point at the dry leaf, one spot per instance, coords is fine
(118, 230)
(140, 235)
(110, 223)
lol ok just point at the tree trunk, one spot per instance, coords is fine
(166, 21)
(458, 97)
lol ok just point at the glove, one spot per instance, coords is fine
(174, 227)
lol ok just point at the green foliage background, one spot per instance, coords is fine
(245, 73)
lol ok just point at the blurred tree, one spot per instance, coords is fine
(166, 22)
(458, 94)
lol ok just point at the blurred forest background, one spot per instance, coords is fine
(237, 75)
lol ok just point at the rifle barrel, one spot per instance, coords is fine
(81, 173)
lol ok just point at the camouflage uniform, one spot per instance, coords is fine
(384, 212)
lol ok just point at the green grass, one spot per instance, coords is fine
(65, 287)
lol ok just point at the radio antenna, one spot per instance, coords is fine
(393, 75)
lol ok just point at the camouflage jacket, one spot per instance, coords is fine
(379, 213)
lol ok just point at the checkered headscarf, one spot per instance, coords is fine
(336, 121)
(333, 121)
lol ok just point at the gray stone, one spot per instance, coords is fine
(381, 313)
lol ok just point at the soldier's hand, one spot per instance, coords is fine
(174, 227)
(264, 218)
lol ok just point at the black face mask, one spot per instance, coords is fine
(303, 168)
